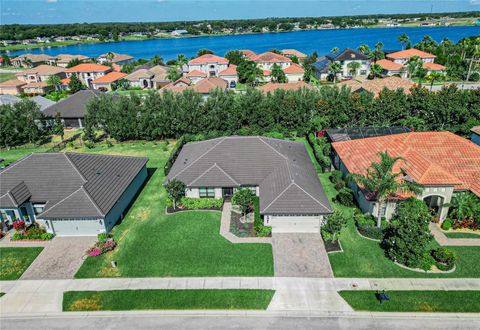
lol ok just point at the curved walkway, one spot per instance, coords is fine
(445, 241)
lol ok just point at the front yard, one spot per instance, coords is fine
(151, 243)
(15, 260)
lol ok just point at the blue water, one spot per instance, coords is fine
(306, 41)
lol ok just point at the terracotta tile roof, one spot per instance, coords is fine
(270, 87)
(42, 69)
(431, 158)
(35, 85)
(389, 65)
(248, 53)
(375, 86)
(89, 67)
(204, 86)
(475, 130)
(208, 58)
(178, 85)
(267, 72)
(196, 73)
(230, 71)
(271, 58)
(116, 67)
(12, 83)
(110, 77)
(293, 52)
(434, 67)
(407, 53)
(34, 57)
(294, 68)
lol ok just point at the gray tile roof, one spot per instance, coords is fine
(283, 171)
(348, 54)
(73, 185)
(74, 106)
(8, 99)
(42, 102)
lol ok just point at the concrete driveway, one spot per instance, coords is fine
(300, 255)
(60, 259)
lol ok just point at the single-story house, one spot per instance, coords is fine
(354, 133)
(375, 86)
(70, 194)
(154, 77)
(104, 83)
(441, 162)
(279, 172)
(390, 68)
(475, 135)
(72, 109)
(30, 60)
(293, 52)
(178, 85)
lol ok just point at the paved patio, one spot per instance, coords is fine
(60, 259)
(300, 255)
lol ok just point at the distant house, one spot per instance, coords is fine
(375, 86)
(390, 68)
(154, 77)
(248, 54)
(396, 62)
(209, 64)
(178, 32)
(12, 87)
(348, 56)
(272, 87)
(31, 60)
(116, 58)
(322, 68)
(266, 61)
(403, 56)
(230, 75)
(105, 83)
(195, 76)
(178, 85)
(88, 72)
(72, 109)
(62, 60)
(475, 135)
(204, 86)
(441, 162)
(36, 78)
(70, 194)
(293, 52)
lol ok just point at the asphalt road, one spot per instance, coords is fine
(119, 322)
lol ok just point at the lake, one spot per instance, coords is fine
(321, 41)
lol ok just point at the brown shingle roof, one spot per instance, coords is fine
(42, 69)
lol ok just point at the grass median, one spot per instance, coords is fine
(15, 260)
(415, 301)
(124, 300)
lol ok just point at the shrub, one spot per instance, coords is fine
(336, 177)
(17, 236)
(19, 225)
(426, 262)
(46, 236)
(95, 251)
(371, 231)
(275, 135)
(243, 198)
(447, 224)
(340, 185)
(201, 203)
(258, 227)
(334, 224)
(326, 235)
(444, 258)
(103, 236)
(345, 197)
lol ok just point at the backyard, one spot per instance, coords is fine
(14, 261)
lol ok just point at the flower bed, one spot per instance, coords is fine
(187, 203)
(104, 244)
(32, 233)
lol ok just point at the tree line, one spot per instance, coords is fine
(30, 31)
(292, 113)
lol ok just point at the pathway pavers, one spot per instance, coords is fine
(445, 241)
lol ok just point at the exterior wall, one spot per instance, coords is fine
(86, 77)
(37, 90)
(362, 71)
(107, 86)
(141, 83)
(10, 90)
(117, 211)
(208, 67)
(286, 223)
(232, 80)
(193, 192)
(294, 77)
(401, 73)
(444, 191)
(405, 60)
(269, 65)
(195, 80)
(475, 138)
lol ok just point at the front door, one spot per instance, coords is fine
(227, 193)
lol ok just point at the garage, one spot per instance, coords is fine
(294, 223)
(77, 227)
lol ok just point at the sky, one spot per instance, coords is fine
(79, 11)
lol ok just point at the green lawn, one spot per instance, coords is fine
(15, 260)
(124, 300)
(462, 235)
(415, 301)
(4, 76)
(183, 244)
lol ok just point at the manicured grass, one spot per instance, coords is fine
(415, 301)
(151, 243)
(15, 260)
(462, 235)
(365, 258)
(124, 300)
(4, 76)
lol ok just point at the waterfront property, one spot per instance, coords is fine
(441, 162)
(88, 72)
(290, 53)
(31, 60)
(267, 60)
(114, 58)
(105, 83)
(375, 86)
(154, 77)
(70, 193)
(63, 60)
(36, 79)
(396, 63)
(279, 172)
(344, 58)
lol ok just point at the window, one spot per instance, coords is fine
(206, 192)
(253, 189)
(38, 208)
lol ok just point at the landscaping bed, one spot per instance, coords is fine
(333, 246)
(415, 301)
(241, 229)
(123, 300)
(31, 233)
(191, 204)
(15, 260)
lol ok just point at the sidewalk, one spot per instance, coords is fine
(445, 241)
(27, 297)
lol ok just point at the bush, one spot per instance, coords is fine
(334, 224)
(258, 227)
(33, 232)
(336, 177)
(345, 197)
(444, 258)
(447, 224)
(340, 185)
(17, 236)
(427, 262)
(46, 236)
(103, 236)
(326, 235)
(200, 203)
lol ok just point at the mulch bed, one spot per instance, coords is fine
(240, 229)
(333, 246)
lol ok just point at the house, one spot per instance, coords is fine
(375, 86)
(403, 56)
(63, 60)
(154, 77)
(248, 54)
(475, 135)
(209, 64)
(12, 87)
(441, 162)
(294, 53)
(176, 33)
(391, 68)
(266, 61)
(70, 194)
(279, 172)
(72, 109)
(40, 73)
(31, 60)
(272, 87)
(115, 58)
(230, 75)
(354, 133)
(322, 68)
(195, 76)
(178, 85)
(42, 102)
(88, 72)
(208, 85)
(348, 56)
(105, 83)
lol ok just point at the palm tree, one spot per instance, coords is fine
(403, 39)
(464, 206)
(353, 68)
(376, 70)
(181, 60)
(432, 77)
(414, 63)
(364, 49)
(382, 182)
(335, 68)
(377, 53)
(334, 50)
(54, 81)
(157, 60)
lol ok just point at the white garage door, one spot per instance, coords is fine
(295, 224)
(77, 227)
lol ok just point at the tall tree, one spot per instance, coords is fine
(234, 57)
(376, 70)
(54, 81)
(73, 62)
(204, 51)
(413, 64)
(335, 68)
(382, 182)
(173, 74)
(278, 76)
(404, 39)
(249, 72)
(75, 84)
(157, 60)
(176, 190)
(364, 49)
(58, 127)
